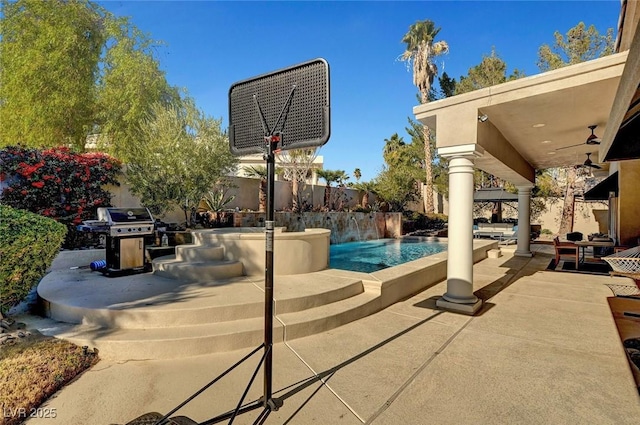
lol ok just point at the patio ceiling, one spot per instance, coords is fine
(532, 123)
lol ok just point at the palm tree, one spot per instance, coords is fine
(331, 176)
(364, 188)
(357, 174)
(420, 53)
(391, 150)
(260, 172)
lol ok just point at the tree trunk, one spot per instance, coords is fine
(365, 199)
(427, 193)
(187, 222)
(262, 196)
(295, 205)
(566, 222)
(327, 197)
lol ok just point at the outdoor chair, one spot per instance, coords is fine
(566, 249)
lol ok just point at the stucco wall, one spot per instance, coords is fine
(628, 201)
(246, 192)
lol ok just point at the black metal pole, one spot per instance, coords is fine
(268, 278)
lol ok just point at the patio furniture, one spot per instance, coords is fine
(596, 245)
(566, 249)
(499, 231)
(626, 263)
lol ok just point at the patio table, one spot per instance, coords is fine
(585, 244)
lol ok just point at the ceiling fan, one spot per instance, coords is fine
(591, 140)
(589, 163)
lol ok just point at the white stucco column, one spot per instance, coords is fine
(524, 222)
(459, 296)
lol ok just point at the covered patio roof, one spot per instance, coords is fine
(532, 123)
(542, 121)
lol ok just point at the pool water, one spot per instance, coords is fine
(371, 256)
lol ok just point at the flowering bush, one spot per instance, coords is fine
(57, 183)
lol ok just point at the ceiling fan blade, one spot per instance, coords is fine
(572, 146)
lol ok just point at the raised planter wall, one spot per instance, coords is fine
(296, 252)
(344, 226)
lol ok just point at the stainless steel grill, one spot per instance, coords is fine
(126, 221)
(125, 229)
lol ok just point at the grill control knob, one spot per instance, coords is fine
(119, 230)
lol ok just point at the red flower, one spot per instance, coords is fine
(39, 185)
(24, 192)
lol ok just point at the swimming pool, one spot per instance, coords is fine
(371, 256)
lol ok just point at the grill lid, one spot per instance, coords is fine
(114, 216)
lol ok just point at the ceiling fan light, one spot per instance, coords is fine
(592, 140)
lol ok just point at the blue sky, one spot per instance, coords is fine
(210, 45)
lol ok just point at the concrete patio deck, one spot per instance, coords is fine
(544, 349)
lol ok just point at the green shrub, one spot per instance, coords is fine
(28, 245)
(425, 221)
(546, 232)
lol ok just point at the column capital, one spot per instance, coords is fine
(525, 187)
(472, 150)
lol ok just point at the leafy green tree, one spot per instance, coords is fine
(447, 85)
(179, 156)
(396, 186)
(391, 152)
(421, 50)
(70, 69)
(397, 183)
(492, 70)
(49, 55)
(130, 82)
(581, 44)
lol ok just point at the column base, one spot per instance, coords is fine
(523, 253)
(468, 309)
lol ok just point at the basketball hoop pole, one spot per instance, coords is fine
(272, 142)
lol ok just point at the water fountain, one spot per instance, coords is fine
(375, 226)
(357, 227)
(334, 234)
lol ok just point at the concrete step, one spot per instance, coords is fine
(232, 300)
(219, 301)
(171, 343)
(194, 340)
(199, 253)
(326, 317)
(196, 271)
